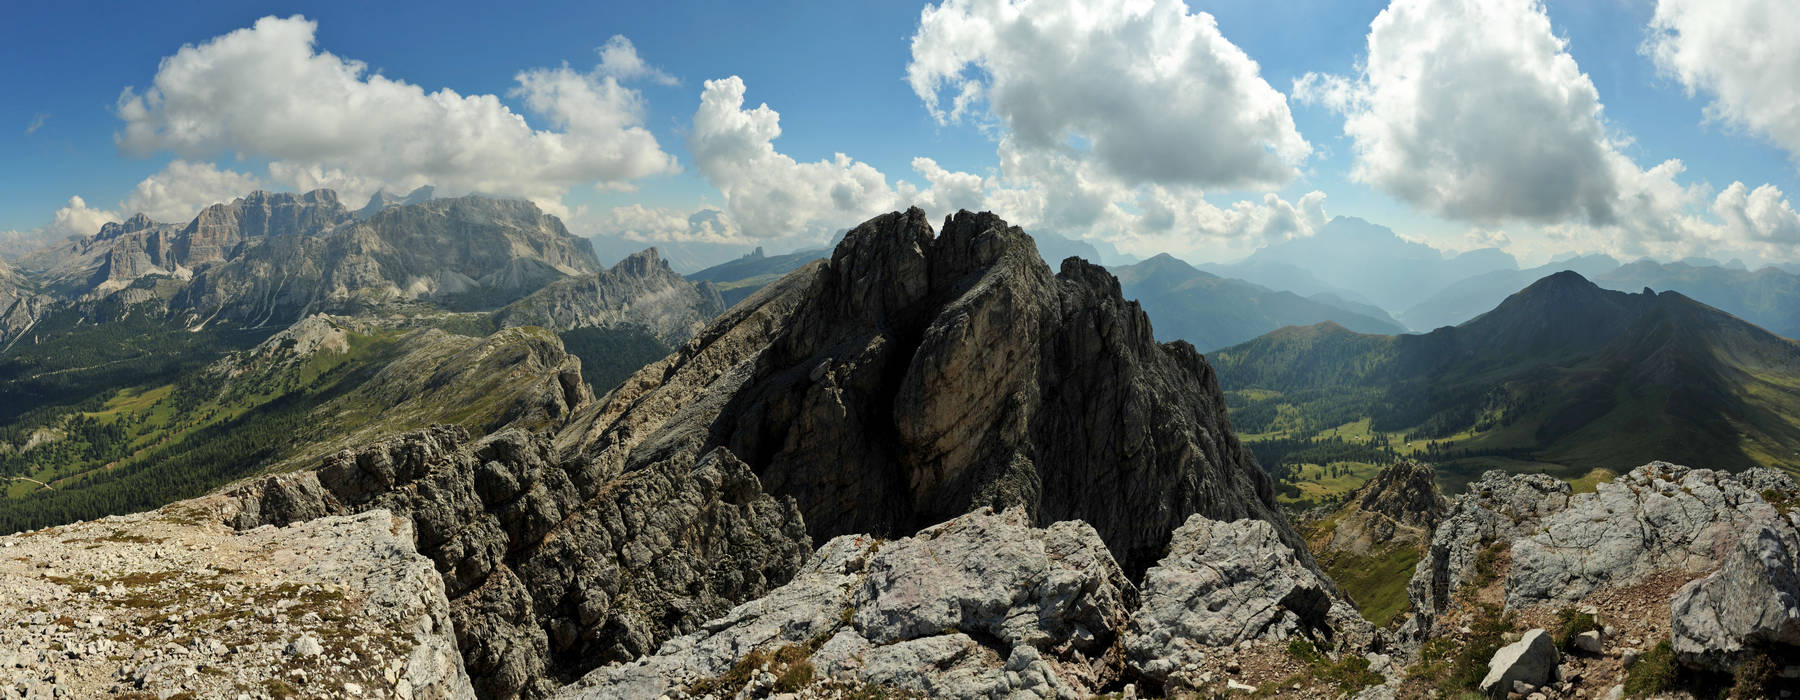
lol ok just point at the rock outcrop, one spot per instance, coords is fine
(985, 605)
(551, 567)
(913, 377)
(1657, 517)
(171, 602)
(1497, 509)
(1400, 504)
(640, 290)
(1658, 526)
(1531, 660)
(981, 606)
(1227, 583)
(1751, 605)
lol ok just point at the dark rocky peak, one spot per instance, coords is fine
(1558, 315)
(384, 199)
(915, 377)
(1406, 492)
(642, 264)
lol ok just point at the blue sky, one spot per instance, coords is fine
(837, 74)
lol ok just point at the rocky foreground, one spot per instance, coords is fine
(176, 603)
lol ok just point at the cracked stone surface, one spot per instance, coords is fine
(1656, 517)
(983, 605)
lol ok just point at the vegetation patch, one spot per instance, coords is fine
(1455, 664)
(1570, 623)
(1347, 675)
(1376, 583)
(1654, 672)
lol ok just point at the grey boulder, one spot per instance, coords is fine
(1532, 659)
(1224, 583)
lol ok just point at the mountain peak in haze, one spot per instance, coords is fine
(1366, 259)
(384, 199)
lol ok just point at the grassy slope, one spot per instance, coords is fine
(147, 445)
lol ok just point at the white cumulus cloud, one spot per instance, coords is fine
(619, 59)
(1475, 110)
(768, 193)
(76, 218)
(267, 92)
(1743, 53)
(1149, 90)
(182, 189)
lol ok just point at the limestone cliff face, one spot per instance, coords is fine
(912, 378)
(220, 228)
(640, 290)
(109, 260)
(468, 252)
(20, 304)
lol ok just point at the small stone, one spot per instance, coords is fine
(353, 690)
(305, 647)
(1588, 641)
(1628, 657)
(1234, 685)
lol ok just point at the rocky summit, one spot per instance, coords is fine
(914, 377)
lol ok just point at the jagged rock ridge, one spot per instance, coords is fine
(640, 290)
(913, 377)
(552, 567)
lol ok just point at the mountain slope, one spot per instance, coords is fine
(1564, 375)
(313, 389)
(1214, 312)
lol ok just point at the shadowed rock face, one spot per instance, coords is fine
(912, 378)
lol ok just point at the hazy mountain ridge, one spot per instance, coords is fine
(1214, 312)
(1363, 262)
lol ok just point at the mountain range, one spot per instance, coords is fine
(1214, 312)
(1563, 376)
(1362, 262)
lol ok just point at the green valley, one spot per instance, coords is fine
(1562, 378)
